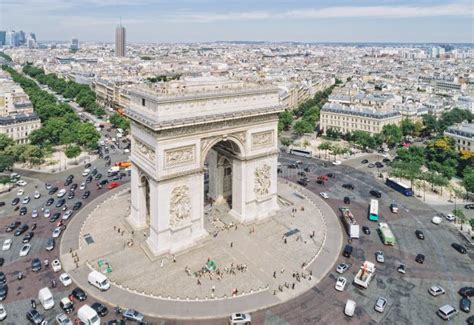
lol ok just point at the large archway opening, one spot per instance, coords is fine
(145, 194)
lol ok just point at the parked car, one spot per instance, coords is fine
(420, 258)
(50, 244)
(27, 238)
(347, 200)
(77, 206)
(380, 304)
(26, 200)
(15, 201)
(340, 283)
(21, 230)
(112, 185)
(3, 292)
(465, 304)
(460, 248)
(3, 312)
(34, 214)
(469, 206)
(25, 249)
(376, 193)
(436, 220)
(36, 265)
(67, 214)
(86, 195)
(402, 269)
(66, 305)
(466, 291)
(419, 234)
(380, 257)
(34, 317)
(436, 291)
(343, 267)
(366, 230)
(37, 195)
(60, 203)
(71, 195)
(240, 318)
(53, 190)
(79, 294)
(49, 202)
(7, 244)
(447, 312)
(23, 211)
(348, 186)
(55, 217)
(65, 279)
(133, 315)
(62, 319)
(302, 182)
(365, 161)
(100, 309)
(324, 195)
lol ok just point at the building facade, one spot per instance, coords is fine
(120, 41)
(19, 126)
(463, 135)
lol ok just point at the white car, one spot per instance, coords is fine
(67, 214)
(21, 183)
(82, 186)
(340, 283)
(336, 163)
(436, 291)
(3, 312)
(61, 192)
(240, 318)
(341, 268)
(65, 279)
(62, 319)
(324, 195)
(26, 200)
(47, 213)
(86, 172)
(20, 192)
(126, 150)
(436, 220)
(34, 213)
(25, 250)
(57, 232)
(37, 195)
(380, 304)
(450, 217)
(7, 244)
(380, 257)
(56, 265)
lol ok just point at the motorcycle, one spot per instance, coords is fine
(19, 276)
(33, 227)
(118, 310)
(33, 303)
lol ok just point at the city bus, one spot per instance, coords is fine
(399, 187)
(386, 234)
(374, 210)
(301, 152)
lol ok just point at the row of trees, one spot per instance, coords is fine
(11, 153)
(333, 149)
(119, 121)
(5, 56)
(163, 78)
(82, 94)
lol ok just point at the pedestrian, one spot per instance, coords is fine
(174, 259)
(284, 240)
(293, 286)
(118, 230)
(162, 263)
(231, 244)
(274, 274)
(313, 233)
(282, 271)
(213, 289)
(198, 282)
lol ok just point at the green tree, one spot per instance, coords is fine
(285, 119)
(32, 155)
(406, 169)
(430, 123)
(301, 127)
(87, 135)
(5, 141)
(6, 161)
(391, 134)
(72, 152)
(337, 150)
(333, 134)
(119, 121)
(468, 180)
(407, 127)
(326, 146)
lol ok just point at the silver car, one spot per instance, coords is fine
(132, 314)
(380, 304)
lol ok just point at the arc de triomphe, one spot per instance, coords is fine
(180, 133)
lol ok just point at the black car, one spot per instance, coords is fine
(104, 181)
(2, 261)
(79, 294)
(34, 317)
(23, 211)
(88, 165)
(3, 278)
(15, 201)
(67, 306)
(73, 187)
(332, 175)
(55, 217)
(50, 244)
(301, 173)
(419, 234)
(420, 258)
(386, 160)
(347, 251)
(60, 203)
(292, 166)
(470, 320)
(122, 322)
(36, 265)
(469, 206)
(70, 177)
(53, 190)
(49, 202)
(94, 172)
(86, 194)
(98, 176)
(100, 309)
(302, 182)
(465, 305)
(365, 161)
(68, 182)
(70, 195)
(3, 291)
(320, 182)
(466, 291)
(21, 230)
(460, 248)
(89, 179)
(348, 186)
(376, 193)
(77, 206)
(378, 164)
(2, 203)
(366, 230)
(13, 226)
(27, 238)
(347, 200)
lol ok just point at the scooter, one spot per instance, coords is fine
(19, 276)
(33, 227)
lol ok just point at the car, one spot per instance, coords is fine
(7, 244)
(450, 217)
(112, 185)
(70, 177)
(57, 232)
(86, 172)
(56, 265)
(2, 203)
(301, 173)
(62, 319)
(347, 200)
(37, 195)
(465, 304)
(73, 187)
(60, 203)
(49, 202)
(79, 294)
(55, 217)
(470, 320)
(365, 161)
(3, 312)
(88, 165)
(65, 279)
(436, 291)
(343, 267)
(460, 248)
(380, 304)
(98, 176)
(68, 182)
(48, 186)
(376, 193)
(447, 312)
(336, 162)
(371, 165)
(77, 206)
(466, 291)
(350, 307)
(419, 234)
(302, 182)
(89, 179)
(21, 183)
(420, 258)
(86, 195)
(15, 201)
(3, 292)
(394, 208)
(66, 305)
(27, 238)
(82, 186)
(436, 220)
(53, 190)
(100, 309)
(50, 244)
(379, 165)
(324, 195)
(20, 192)
(61, 193)
(67, 214)
(24, 227)
(13, 226)
(36, 265)
(23, 211)
(386, 160)
(366, 230)
(25, 249)
(402, 269)
(380, 257)
(71, 195)
(348, 186)
(3, 278)
(47, 213)
(34, 317)
(26, 200)
(104, 181)
(34, 214)
(469, 206)
(340, 283)
(132, 314)
(94, 172)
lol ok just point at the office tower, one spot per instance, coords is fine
(120, 40)
(74, 44)
(3, 36)
(33, 36)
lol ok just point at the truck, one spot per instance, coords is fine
(88, 316)
(365, 274)
(386, 234)
(123, 164)
(45, 297)
(350, 223)
(112, 170)
(98, 280)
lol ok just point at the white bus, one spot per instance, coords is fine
(374, 210)
(301, 152)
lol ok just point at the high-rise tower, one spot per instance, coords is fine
(120, 40)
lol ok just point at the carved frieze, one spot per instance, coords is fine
(143, 150)
(180, 156)
(262, 181)
(180, 206)
(262, 139)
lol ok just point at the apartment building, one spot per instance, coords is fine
(463, 135)
(19, 126)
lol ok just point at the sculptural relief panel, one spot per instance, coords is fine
(262, 139)
(144, 151)
(180, 156)
(262, 181)
(180, 206)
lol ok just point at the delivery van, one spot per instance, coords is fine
(98, 280)
(46, 298)
(88, 316)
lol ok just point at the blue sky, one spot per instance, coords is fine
(270, 20)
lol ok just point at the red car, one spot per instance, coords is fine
(112, 185)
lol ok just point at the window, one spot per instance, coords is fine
(143, 101)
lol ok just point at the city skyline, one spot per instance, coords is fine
(423, 21)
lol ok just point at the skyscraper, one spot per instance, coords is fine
(3, 37)
(120, 40)
(74, 44)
